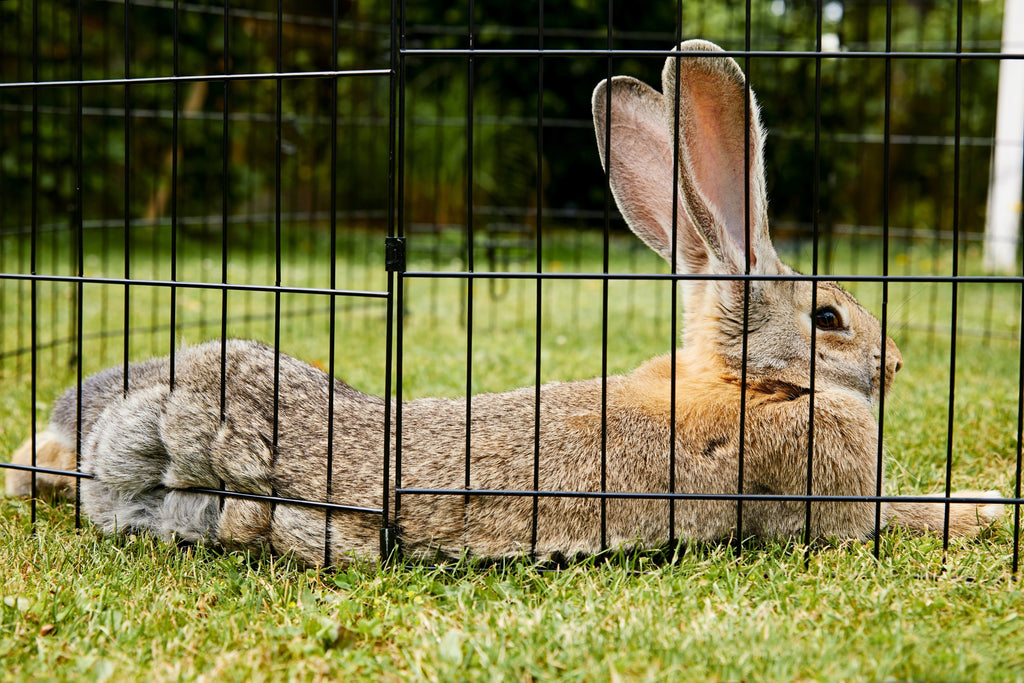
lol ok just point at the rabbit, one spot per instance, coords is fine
(148, 447)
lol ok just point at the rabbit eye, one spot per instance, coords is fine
(827, 318)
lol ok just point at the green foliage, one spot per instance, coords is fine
(516, 166)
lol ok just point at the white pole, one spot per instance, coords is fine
(1003, 211)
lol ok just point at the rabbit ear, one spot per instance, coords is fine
(721, 168)
(642, 173)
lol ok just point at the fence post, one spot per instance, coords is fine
(1003, 209)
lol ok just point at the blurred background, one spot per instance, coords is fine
(879, 147)
(131, 128)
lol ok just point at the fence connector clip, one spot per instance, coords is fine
(394, 254)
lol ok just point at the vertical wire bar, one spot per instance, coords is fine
(1015, 563)
(19, 219)
(175, 94)
(254, 103)
(73, 218)
(224, 185)
(332, 314)
(106, 209)
(604, 288)
(55, 241)
(80, 267)
(395, 300)
(5, 214)
(539, 310)
(674, 298)
(815, 223)
(397, 206)
(248, 207)
(746, 282)
(127, 192)
(884, 319)
(153, 293)
(278, 151)
(470, 283)
(830, 236)
(956, 271)
(1020, 436)
(33, 256)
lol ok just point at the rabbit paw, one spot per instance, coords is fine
(968, 519)
(50, 454)
(965, 519)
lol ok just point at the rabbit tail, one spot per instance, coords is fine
(123, 448)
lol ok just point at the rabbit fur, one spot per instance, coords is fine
(147, 447)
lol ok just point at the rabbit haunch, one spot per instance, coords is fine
(703, 208)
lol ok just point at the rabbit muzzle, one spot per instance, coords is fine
(893, 361)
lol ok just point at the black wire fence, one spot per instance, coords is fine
(409, 197)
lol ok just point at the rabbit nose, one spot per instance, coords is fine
(893, 355)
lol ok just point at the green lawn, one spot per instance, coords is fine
(76, 606)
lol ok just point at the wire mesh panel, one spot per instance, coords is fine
(433, 205)
(180, 172)
(878, 145)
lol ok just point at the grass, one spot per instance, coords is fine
(82, 607)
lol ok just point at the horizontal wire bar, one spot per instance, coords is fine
(767, 497)
(349, 73)
(617, 495)
(236, 13)
(533, 275)
(568, 213)
(486, 119)
(758, 54)
(190, 324)
(525, 275)
(45, 470)
(211, 78)
(302, 502)
(215, 220)
(218, 286)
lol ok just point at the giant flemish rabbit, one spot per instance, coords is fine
(147, 448)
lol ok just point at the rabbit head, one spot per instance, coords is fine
(703, 208)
